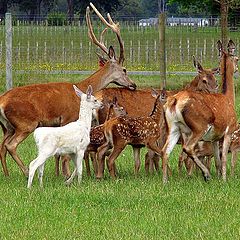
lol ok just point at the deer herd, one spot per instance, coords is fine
(69, 123)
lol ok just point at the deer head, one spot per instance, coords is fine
(206, 79)
(117, 73)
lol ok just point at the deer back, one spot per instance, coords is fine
(140, 102)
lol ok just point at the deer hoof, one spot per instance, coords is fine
(99, 178)
(207, 177)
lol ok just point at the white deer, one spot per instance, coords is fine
(71, 139)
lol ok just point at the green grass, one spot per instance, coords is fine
(132, 207)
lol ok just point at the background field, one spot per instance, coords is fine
(130, 207)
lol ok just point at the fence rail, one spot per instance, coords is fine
(38, 46)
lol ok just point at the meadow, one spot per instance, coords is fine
(132, 207)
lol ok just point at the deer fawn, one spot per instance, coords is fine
(97, 138)
(23, 109)
(73, 138)
(203, 116)
(138, 132)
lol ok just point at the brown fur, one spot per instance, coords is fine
(204, 116)
(135, 131)
(23, 109)
(205, 81)
(205, 149)
(97, 138)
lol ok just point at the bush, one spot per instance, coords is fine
(56, 19)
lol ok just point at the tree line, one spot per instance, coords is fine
(129, 8)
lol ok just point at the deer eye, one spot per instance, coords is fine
(204, 81)
(124, 70)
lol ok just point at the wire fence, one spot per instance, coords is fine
(41, 47)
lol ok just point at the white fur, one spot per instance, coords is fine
(71, 139)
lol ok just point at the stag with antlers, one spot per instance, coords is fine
(23, 109)
(203, 116)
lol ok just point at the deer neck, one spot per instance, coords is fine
(85, 115)
(227, 78)
(157, 112)
(193, 84)
(97, 80)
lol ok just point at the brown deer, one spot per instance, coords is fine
(97, 138)
(23, 109)
(205, 150)
(202, 116)
(205, 81)
(136, 131)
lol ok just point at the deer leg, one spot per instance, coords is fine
(151, 162)
(57, 165)
(217, 159)
(94, 162)
(79, 160)
(12, 145)
(3, 153)
(181, 159)
(66, 165)
(40, 174)
(233, 161)
(155, 162)
(86, 160)
(172, 140)
(35, 164)
(117, 149)
(70, 179)
(101, 159)
(226, 144)
(136, 154)
(147, 162)
(189, 149)
(154, 147)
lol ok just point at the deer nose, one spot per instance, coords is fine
(132, 86)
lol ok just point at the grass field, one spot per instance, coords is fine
(132, 207)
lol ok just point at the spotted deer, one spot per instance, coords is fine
(23, 109)
(97, 138)
(202, 116)
(136, 131)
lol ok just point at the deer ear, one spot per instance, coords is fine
(163, 96)
(154, 93)
(231, 47)
(199, 67)
(111, 53)
(89, 92)
(77, 91)
(101, 60)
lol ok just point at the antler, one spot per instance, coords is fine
(92, 35)
(114, 27)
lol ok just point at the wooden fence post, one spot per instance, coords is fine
(162, 49)
(8, 42)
